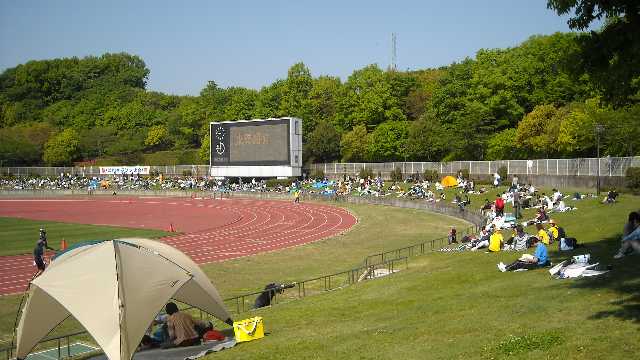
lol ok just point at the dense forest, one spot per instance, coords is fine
(542, 98)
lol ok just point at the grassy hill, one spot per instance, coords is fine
(458, 305)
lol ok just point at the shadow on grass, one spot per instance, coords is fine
(624, 278)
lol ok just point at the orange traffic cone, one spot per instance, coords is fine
(63, 245)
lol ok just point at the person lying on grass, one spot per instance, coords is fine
(526, 261)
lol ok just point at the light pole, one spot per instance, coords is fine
(599, 130)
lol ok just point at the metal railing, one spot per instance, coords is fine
(422, 248)
(317, 285)
(608, 166)
(243, 303)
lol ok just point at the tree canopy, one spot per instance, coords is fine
(540, 98)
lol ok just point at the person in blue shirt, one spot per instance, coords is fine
(538, 260)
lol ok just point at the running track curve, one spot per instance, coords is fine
(211, 230)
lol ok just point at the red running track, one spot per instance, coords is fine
(212, 230)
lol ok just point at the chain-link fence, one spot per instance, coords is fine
(606, 166)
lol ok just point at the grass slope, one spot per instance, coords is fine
(457, 305)
(19, 236)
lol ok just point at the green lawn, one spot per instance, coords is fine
(446, 305)
(458, 305)
(19, 236)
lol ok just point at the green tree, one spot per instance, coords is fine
(322, 104)
(62, 148)
(503, 145)
(24, 144)
(204, 152)
(539, 129)
(296, 91)
(388, 142)
(323, 144)
(269, 99)
(355, 144)
(367, 99)
(586, 11)
(610, 56)
(157, 137)
(425, 140)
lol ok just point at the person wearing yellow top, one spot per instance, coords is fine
(553, 229)
(496, 240)
(542, 234)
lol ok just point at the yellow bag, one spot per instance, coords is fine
(249, 329)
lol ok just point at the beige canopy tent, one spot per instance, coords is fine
(114, 289)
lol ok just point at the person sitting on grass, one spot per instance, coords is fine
(630, 236)
(496, 240)
(482, 241)
(541, 216)
(554, 231)
(611, 197)
(181, 327)
(538, 260)
(486, 208)
(452, 236)
(542, 234)
(520, 239)
(499, 204)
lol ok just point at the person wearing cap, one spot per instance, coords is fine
(496, 240)
(553, 230)
(542, 234)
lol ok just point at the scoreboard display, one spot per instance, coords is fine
(256, 143)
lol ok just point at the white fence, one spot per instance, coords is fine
(608, 166)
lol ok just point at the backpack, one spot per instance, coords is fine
(561, 233)
(568, 244)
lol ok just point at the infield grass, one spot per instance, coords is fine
(19, 236)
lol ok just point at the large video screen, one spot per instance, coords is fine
(250, 143)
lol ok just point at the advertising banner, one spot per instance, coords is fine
(122, 170)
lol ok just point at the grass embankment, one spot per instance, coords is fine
(458, 305)
(19, 236)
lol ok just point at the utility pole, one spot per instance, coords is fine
(599, 130)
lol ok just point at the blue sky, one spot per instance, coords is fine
(252, 43)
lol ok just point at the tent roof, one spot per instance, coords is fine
(114, 289)
(449, 181)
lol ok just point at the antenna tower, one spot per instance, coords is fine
(394, 58)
